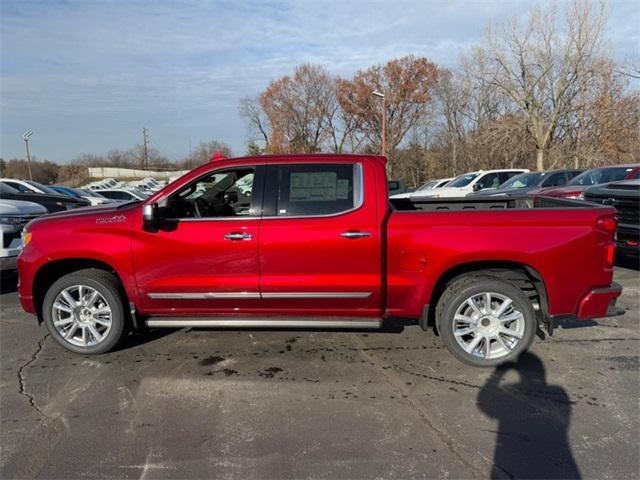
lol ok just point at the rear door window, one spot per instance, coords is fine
(313, 189)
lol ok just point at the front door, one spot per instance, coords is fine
(203, 258)
(319, 242)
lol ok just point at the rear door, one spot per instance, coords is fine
(319, 242)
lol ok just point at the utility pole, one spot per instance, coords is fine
(145, 158)
(25, 137)
(381, 95)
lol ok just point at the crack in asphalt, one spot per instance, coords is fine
(22, 381)
(443, 436)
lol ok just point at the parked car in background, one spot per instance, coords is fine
(93, 197)
(124, 194)
(52, 202)
(595, 176)
(21, 185)
(29, 186)
(470, 182)
(625, 197)
(395, 187)
(14, 215)
(149, 185)
(425, 188)
(105, 183)
(528, 183)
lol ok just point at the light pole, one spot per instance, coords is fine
(25, 137)
(381, 95)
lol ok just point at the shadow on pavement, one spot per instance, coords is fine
(143, 337)
(8, 282)
(628, 262)
(533, 422)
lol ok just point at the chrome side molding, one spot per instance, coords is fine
(201, 296)
(316, 295)
(256, 295)
(271, 322)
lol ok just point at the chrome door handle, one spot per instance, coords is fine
(354, 234)
(235, 236)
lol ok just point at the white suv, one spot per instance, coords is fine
(466, 183)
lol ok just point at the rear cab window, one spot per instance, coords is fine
(313, 189)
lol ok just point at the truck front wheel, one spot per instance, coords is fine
(84, 313)
(485, 321)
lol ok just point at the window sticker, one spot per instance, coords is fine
(313, 187)
(342, 189)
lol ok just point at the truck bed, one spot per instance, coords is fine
(480, 203)
(558, 239)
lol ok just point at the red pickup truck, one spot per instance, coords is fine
(313, 241)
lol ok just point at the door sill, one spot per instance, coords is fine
(269, 322)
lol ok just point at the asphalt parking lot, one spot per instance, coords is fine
(288, 404)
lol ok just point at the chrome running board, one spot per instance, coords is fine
(265, 322)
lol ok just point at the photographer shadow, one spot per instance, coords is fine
(533, 423)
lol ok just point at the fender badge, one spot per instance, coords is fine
(112, 219)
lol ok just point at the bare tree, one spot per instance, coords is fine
(543, 70)
(257, 122)
(451, 103)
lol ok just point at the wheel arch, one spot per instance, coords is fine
(526, 277)
(48, 273)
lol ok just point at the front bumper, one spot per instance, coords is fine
(8, 263)
(597, 302)
(9, 254)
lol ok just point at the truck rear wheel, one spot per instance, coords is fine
(485, 321)
(84, 312)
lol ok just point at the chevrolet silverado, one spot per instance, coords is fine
(313, 241)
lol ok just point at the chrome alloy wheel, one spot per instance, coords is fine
(488, 325)
(81, 315)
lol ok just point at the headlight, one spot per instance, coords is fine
(26, 238)
(9, 220)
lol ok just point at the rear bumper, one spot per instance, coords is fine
(628, 240)
(597, 302)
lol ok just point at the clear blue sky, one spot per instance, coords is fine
(86, 76)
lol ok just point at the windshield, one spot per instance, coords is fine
(463, 180)
(596, 176)
(44, 188)
(524, 180)
(427, 185)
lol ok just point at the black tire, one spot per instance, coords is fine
(109, 288)
(456, 295)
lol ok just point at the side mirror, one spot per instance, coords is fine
(477, 186)
(150, 215)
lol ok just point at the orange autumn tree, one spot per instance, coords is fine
(407, 84)
(297, 110)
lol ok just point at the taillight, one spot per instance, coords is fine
(611, 254)
(607, 224)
